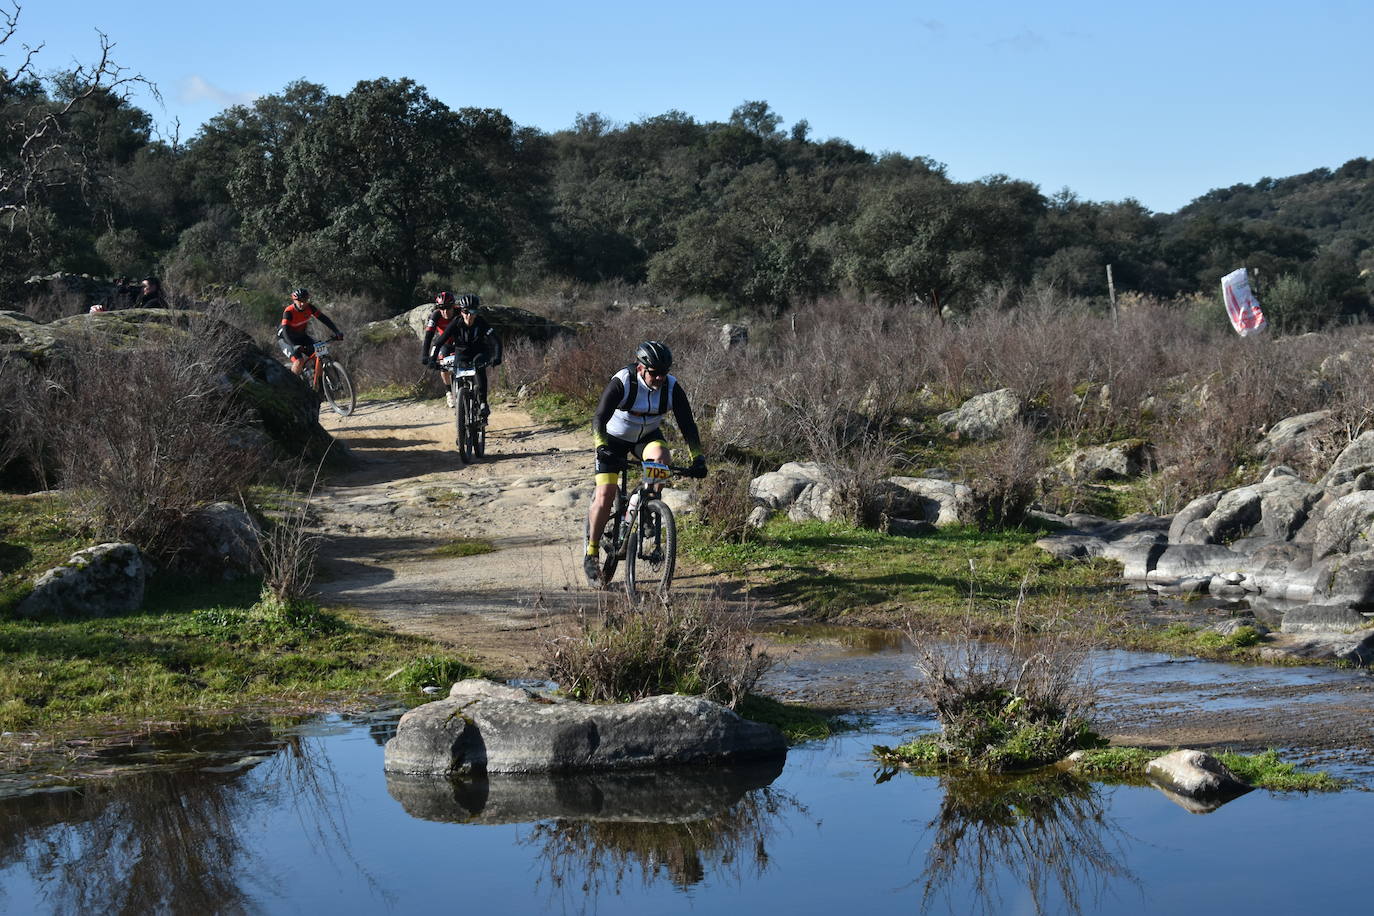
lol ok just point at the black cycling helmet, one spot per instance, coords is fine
(301, 293)
(469, 302)
(444, 300)
(655, 355)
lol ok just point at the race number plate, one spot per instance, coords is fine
(655, 471)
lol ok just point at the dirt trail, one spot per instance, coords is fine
(408, 494)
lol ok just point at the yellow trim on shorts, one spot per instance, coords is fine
(604, 479)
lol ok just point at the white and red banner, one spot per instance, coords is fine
(1241, 305)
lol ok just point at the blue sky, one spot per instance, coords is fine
(1161, 101)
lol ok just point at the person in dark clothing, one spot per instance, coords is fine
(292, 337)
(474, 342)
(153, 297)
(627, 420)
(445, 311)
(126, 295)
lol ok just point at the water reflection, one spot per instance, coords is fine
(1041, 837)
(168, 838)
(591, 832)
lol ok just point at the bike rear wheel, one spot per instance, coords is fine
(338, 389)
(651, 551)
(462, 411)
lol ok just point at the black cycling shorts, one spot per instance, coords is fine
(620, 450)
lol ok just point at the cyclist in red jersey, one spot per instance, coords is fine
(291, 334)
(445, 310)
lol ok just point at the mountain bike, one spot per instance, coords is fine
(467, 407)
(642, 532)
(328, 379)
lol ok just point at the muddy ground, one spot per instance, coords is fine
(407, 494)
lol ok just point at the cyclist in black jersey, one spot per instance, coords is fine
(627, 421)
(474, 341)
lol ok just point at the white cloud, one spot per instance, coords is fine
(195, 89)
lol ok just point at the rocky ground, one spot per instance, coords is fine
(407, 494)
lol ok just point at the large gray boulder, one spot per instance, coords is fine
(1355, 647)
(1194, 774)
(1354, 460)
(472, 734)
(983, 416)
(224, 540)
(509, 322)
(1113, 461)
(1344, 526)
(1344, 579)
(940, 502)
(1323, 618)
(1276, 507)
(779, 489)
(1291, 435)
(100, 581)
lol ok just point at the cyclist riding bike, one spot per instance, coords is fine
(473, 340)
(445, 310)
(626, 422)
(291, 333)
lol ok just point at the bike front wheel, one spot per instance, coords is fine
(477, 428)
(462, 412)
(338, 388)
(651, 551)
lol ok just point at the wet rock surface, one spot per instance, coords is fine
(482, 730)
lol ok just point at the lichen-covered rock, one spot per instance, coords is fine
(984, 416)
(477, 731)
(100, 581)
(1195, 774)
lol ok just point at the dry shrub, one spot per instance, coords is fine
(724, 504)
(1006, 705)
(288, 547)
(146, 435)
(1005, 477)
(699, 646)
(392, 364)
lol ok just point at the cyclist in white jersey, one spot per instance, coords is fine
(626, 422)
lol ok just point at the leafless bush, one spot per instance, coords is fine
(724, 504)
(1005, 477)
(146, 435)
(692, 645)
(392, 364)
(522, 365)
(288, 547)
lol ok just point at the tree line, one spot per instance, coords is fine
(373, 190)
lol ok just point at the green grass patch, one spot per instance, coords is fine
(463, 547)
(833, 569)
(1266, 771)
(798, 723)
(1182, 639)
(193, 650)
(1263, 770)
(1124, 762)
(561, 410)
(36, 534)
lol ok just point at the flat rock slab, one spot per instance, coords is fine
(485, 729)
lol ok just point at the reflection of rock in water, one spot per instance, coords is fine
(1040, 833)
(677, 794)
(596, 828)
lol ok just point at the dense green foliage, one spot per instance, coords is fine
(374, 190)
